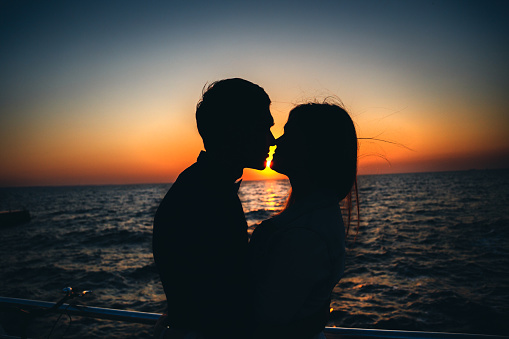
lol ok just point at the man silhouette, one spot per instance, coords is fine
(200, 232)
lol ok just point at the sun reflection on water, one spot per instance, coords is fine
(262, 199)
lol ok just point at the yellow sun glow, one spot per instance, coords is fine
(266, 173)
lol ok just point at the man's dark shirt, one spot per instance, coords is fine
(200, 248)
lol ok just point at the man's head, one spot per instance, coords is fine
(234, 121)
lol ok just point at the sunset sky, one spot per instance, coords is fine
(95, 92)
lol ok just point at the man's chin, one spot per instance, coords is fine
(257, 167)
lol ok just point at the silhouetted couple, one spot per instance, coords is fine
(278, 285)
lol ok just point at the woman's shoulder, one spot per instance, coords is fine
(282, 225)
(321, 220)
(273, 234)
(321, 227)
(264, 230)
(295, 225)
(296, 234)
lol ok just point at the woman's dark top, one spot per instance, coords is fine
(297, 257)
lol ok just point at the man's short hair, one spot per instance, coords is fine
(229, 105)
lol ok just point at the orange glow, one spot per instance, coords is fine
(61, 150)
(267, 173)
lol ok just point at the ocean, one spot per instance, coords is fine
(431, 253)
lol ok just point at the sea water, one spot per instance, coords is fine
(431, 253)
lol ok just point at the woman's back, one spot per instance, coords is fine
(297, 258)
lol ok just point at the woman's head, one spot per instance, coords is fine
(319, 145)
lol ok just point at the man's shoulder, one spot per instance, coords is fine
(201, 172)
(191, 186)
(179, 190)
(189, 175)
(190, 180)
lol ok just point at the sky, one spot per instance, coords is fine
(104, 92)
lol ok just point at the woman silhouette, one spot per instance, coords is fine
(297, 256)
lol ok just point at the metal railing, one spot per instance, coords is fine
(151, 318)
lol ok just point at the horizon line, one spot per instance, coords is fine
(268, 179)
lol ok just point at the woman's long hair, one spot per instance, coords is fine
(332, 140)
